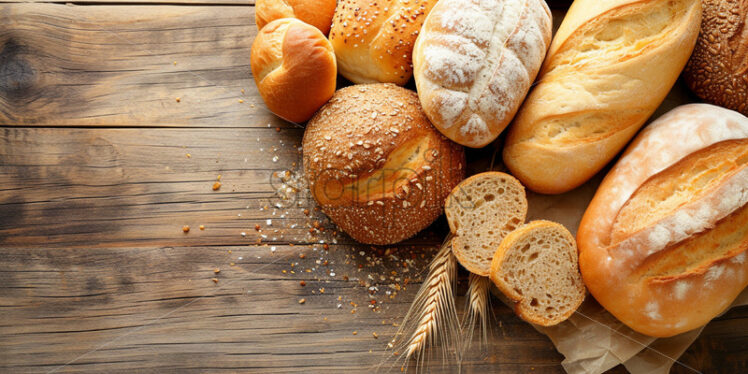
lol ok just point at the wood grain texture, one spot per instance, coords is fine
(115, 66)
(155, 309)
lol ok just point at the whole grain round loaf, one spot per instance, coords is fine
(376, 166)
(718, 68)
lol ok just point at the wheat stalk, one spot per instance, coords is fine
(477, 306)
(433, 314)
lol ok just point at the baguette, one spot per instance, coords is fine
(668, 226)
(610, 65)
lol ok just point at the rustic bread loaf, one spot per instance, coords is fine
(317, 13)
(610, 65)
(375, 164)
(481, 211)
(663, 243)
(294, 68)
(536, 266)
(474, 62)
(718, 68)
(373, 40)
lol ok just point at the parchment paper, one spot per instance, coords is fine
(592, 340)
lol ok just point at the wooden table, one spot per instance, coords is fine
(117, 120)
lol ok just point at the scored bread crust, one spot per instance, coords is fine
(373, 40)
(650, 277)
(375, 164)
(610, 65)
(473, 256)
(294, 68)
(571, 280)
(317, 13)
(475, 61)
(718, 68)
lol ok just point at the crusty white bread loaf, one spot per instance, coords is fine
(481, 211)
(294, 68)
(474, 62)
(610, 65)
(536, 266)
(373, 40)
(663, 242)
(718, 68)
(376, 166)
(317, 13)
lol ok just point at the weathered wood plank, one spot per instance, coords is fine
(103, 65)
(158, 309)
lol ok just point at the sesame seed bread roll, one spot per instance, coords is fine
(662, 245)
(294, 68)
(376, 166)
(373, 40)
(475, 61)
(610, 65)
(718, 68)
(317, 13)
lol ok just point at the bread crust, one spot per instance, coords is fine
(474, 63)
(649, 278)
(508, 290)
(375, 164)
(718, 69)
(294, 68)
(317, 13)
(373, 40)
(609, 67)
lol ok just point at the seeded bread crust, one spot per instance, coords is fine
(536, 266)
(376, 166)
(481, 211)
(662, 245)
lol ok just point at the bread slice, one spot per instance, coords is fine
(481, 211)
(536, 266)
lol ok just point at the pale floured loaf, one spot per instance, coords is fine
(610, 65)
(373, 40)
(536, 266)
(474, 62)
(663, 243)
(481, 211)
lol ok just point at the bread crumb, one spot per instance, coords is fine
(185, 229)
(179, 99)
(216, 186)
(216, 270)
(302, 301)
(215, 280)
(202, 227)
(302, 283)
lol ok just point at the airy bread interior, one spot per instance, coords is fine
(537, 267)
(481, 211)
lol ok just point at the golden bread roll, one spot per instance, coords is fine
(294, 68)
(718, 68)
(317, 13)
(610, 65)
(662, 245)
(474, 62)
(373, 40)
(376, 166)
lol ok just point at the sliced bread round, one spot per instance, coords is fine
(537, 267)
(481, 211)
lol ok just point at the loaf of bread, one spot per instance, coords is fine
(376, 166)
(610, 65)
(317, 13)
(481, 211)
(474, 62)
(294, 68)
(718, 68)
(662, 245)
(536, 266)
(373, 40)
